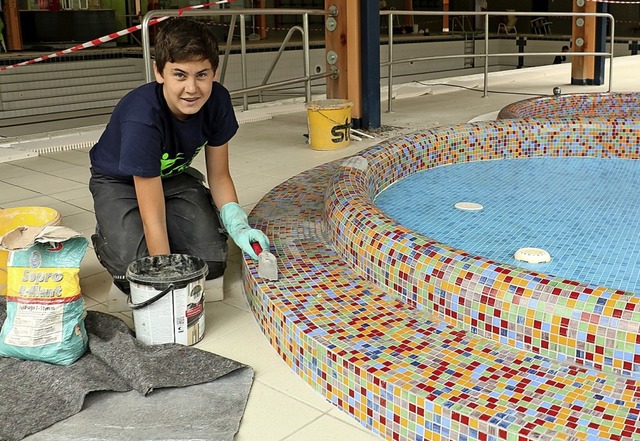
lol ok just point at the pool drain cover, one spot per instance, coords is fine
(532, 255)
(468, 206)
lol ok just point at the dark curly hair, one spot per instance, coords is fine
(184, 39)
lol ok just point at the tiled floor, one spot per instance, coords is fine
(263, 154)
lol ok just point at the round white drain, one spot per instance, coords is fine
(532, 255)
(468, 206)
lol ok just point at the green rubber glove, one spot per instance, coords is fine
(236, 223)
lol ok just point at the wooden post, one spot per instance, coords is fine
(408, 19)
(12, 23)
(262, 21)
(336, 49)
(583, 33)
(343, 52)
(445, 18)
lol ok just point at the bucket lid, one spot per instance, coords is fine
(328, 104)
(31, 216)
(166, 269)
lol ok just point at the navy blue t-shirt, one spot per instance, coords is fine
(144, 139)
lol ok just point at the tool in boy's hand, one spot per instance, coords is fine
(267, 264)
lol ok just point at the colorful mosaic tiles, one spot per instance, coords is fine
(419, 341)
(600, 105)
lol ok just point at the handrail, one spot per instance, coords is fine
(281, 83)
(455, 20)
(242, 13)
(486, 14)
(227, 52)
(462, 23)
(307, 78)
(277, 58)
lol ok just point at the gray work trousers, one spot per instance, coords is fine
(193, 223)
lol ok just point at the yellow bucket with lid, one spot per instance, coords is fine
(12, 218)
(329, 124)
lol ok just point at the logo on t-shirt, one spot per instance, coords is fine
(168, 164)
(173, 166)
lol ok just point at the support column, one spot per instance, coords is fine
(583, 40)
(12, 24)
(602, 31)
(407, 19)
(445, 18)
(335, 36)
(342, 37)
(370, 70)
(262, 21)
(354, 49)
(521, 42)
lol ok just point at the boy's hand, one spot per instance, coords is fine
(246, 236)
(236, 224)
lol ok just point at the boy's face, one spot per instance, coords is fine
(187, 86)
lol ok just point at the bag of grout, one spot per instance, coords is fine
(45, 308)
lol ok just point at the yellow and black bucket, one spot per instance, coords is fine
(329, 124)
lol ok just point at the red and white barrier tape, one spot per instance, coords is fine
(109, 37)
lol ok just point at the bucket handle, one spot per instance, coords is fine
(151, 300)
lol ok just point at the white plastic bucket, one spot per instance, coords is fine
(167, 298)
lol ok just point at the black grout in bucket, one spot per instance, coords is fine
(168, 298)
(166, 269)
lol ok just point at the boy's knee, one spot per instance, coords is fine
(216, 269)
(123, 285)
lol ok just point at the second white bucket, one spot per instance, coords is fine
(167, 298)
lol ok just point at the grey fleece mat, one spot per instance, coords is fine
(36, 395)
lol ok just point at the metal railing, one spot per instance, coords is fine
(459, 25)
(392, 15)
(486, 55)
(306, 78)
(265, 80)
